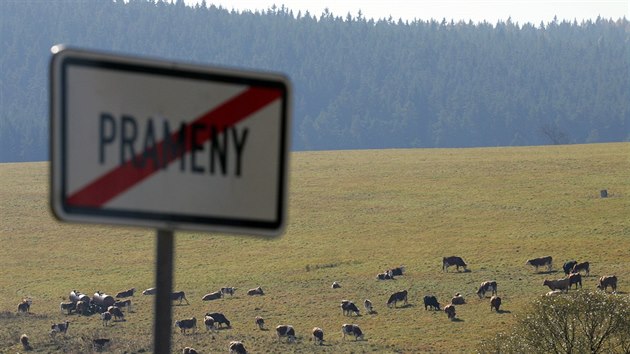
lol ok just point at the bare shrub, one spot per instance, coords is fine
(580, 322)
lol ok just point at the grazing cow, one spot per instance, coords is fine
(126, 293)
(348, 306)
(453, 261)
(575, 278)
(397, 296)
(237, 347)
(25, 305)
(368, 306)
(384, 276)
(487, 286)
(560, 284)
(260, 322)
(255, 291)
(335, 285)
(608, 280)
(568, 267)
(189, 350)
(286, 331)
(219, 318)
(212, 296)
(228, 290)
(186, 324)
(458, 300)
(106, 317)
(495, 303)
(149, 291)
(540, 262)
(431, 301)
(396, 271)
(351, 329)
(208, 321)
(117, 313)
(59, 328)
(124, 304)
(68, 307)
(25, 344)
(450, 311)
(318, 335)
(585, 266)
(181, 296)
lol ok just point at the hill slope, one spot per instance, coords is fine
(353, 214)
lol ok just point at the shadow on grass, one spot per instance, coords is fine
(405, 306)
(503, 311)
(549, 272)
(456, 319)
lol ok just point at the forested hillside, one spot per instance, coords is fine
(358, 83)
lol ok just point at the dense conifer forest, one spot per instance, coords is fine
(358, 82)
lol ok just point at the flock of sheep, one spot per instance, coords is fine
(111, 307)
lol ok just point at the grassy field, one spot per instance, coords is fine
(352, 214)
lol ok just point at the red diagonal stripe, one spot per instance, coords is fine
(120, 179)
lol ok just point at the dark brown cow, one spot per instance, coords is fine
(351, 329)
(25, 305)
(347, 307)
(126, 293)
(260, 322)
(575, 278)
(397, 296)
(608, 280)
(453, 261)
(584, 266)
(25, 343)
(541, 262)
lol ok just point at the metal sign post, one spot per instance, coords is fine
(170, 146)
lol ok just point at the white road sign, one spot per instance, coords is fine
(168, 145)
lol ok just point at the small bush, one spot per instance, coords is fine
(579, 322)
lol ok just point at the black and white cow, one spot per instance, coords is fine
(212, 296)
(348, 307)
(186, 324)
(286, 331)
(59, 328)
(335, 285)
(431, 301)
(450, 311)
(219, 318)
(318, 335)
(384, 276)
(124, 304)
(237, 347)
(208, 321)
(25, 305)
(149, 291)
(106, 317)
(396, 297)
(117, 313)
(394, 272)
(126, 293)
(351, 329)
(453, 261)
(486, 286)
(68, 307)
(368, 306)
(495, 303)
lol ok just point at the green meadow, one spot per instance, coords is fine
(352, 215)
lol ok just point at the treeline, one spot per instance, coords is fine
(358, 83)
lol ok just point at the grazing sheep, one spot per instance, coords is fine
(260, 322)
(237, 347)
(25, 343)
(495, 303)
(318, 335)
(368, 306)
